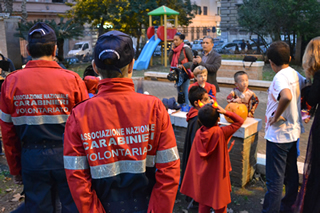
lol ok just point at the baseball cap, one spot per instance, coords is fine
(47, 34)
(116, 46)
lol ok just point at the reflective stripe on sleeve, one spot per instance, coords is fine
(38, 120)
(5, 117)
(75, 162)
(151, 160)
(167, 155)
(113, 169)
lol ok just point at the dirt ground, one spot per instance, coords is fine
(9, 191)
(244, 200)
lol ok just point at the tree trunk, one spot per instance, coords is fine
(299, 50)
(24, 13)
(100, 31)
(60, 43)
(138, 46)
(8, 5)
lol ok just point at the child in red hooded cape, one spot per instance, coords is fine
(207, 178)
(196, 93)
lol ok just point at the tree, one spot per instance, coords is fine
(135, 17)
(281, 19)
(63, 30)
(24, 13)
(186, 9)
(8, 6)
(130, 16)
(97, 12)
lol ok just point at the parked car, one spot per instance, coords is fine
(81, 50)
(227, 48)
(218, 43)
(187, 43)
(217, 46)
(263, 48)
(197, 45)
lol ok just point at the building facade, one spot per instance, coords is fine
(230, 29)
(207, 18)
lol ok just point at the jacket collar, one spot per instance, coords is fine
(42, 63)
(116, 85)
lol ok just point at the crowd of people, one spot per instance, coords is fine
(182, 57)
(96, 145)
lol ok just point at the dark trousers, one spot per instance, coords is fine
(40, 190)
(281, 168)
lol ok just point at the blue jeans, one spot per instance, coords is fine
(184, 88)
(281, 168)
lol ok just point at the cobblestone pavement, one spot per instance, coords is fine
(162, 90)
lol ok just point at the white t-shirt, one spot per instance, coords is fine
(289, 129)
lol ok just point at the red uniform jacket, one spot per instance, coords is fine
(207, 178)
(120, 146)
(35, 104)
(211, 89)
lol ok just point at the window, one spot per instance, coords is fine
(60, 1)
(198, 32)
(198, 11)
(205, 10)
(85, 46)
(204, 31)
(218, 11)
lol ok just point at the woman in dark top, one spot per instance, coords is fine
(309, 196)
(181, 55)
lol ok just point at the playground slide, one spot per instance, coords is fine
(143, 61)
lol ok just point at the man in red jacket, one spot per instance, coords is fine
(35, 104)
(120, 151)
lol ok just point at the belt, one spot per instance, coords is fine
(45, 144)
(132, 205)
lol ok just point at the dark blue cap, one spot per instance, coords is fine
(117, 47)
(46, 33)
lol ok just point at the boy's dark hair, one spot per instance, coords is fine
(38, 49)
(208, 115)
(89, 71)
(196, 93)
(279, 53)
(238, 74)
(181, 36)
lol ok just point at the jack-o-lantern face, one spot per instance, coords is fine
(239, 109)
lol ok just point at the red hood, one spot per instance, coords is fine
(192, 113)
(208, 140)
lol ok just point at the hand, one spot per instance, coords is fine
(198, 59)
(17, 179)
(180, 66)
(273, 120)
(221, 110)
(237, 100)
(195, 61)
(307, 120)
(173, 46)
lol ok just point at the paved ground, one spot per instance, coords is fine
(166, 90)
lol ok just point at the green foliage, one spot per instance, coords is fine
(97, 12)
(63, 30)
(186, 9)
(280, 17)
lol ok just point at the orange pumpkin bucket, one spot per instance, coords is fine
(239, 109)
